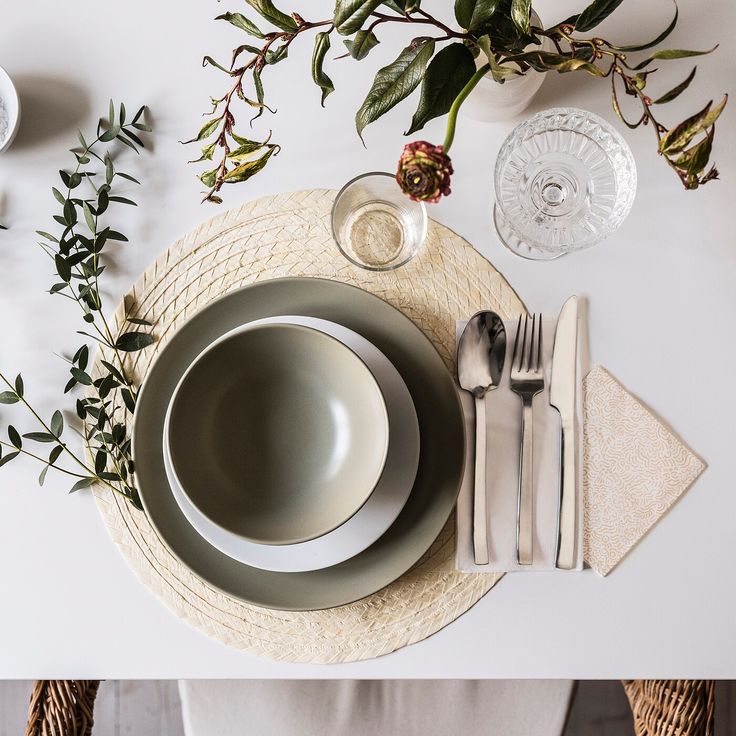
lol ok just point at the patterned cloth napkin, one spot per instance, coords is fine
(634, 469)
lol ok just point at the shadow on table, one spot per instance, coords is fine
(49, 106)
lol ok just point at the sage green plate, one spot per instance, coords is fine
(441, 458)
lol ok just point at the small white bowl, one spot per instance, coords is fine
(11, 103)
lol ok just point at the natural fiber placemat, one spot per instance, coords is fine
(289, 235)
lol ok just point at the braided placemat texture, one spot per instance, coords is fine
(289, 235)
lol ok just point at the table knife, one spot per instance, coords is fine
(562, 396)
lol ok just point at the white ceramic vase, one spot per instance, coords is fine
(491, 101)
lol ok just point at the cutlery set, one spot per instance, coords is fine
(481, 356)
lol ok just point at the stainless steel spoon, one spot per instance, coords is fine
(480, 358)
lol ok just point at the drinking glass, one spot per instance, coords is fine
(375, 225)
(565, 180)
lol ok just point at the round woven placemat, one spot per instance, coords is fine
(288, 235)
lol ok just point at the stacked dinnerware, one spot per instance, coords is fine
(278, 437)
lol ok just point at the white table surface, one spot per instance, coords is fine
(661, 293)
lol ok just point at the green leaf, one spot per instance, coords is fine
(668, 54)
(695, 159)
(14, 437)
(80, 484)
(395, 82)
(10, 456)
(246, 170)
(131, 342)
(361, 44)
(654, 42)
(679, 137)
(58, 196)
(208, 178)
(80, 376)
(39, 437)
(273, 15)
(350, 14)
(595, 13)
(100, 461)
(88, 217)
(521, 14)
(542, 61)
(447, 74)
(9, 397)
(42, 477)
(55, 454)
(240, 21)
(63, 268)
(19, 388)
(472, 14)
(128, 400)
(57, 424)
(676, 91)
(209, 60)
(321, 47)
(207, 130)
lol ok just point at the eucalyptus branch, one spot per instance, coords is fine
(76, 253)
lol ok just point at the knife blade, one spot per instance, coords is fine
(562, 396)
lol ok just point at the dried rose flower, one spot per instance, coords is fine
(424, 172)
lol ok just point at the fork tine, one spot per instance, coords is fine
(539, 343)
(528, 342)
(515, 355)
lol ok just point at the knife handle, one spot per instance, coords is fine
(567, 520)
(480, 519)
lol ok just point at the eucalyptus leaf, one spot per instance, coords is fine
(321, 47)
(81, 484)
(9, 397)
(447, 74)
(39, 437)
(131, 342)
(8, 458)
(395, 82)
(14, 437)
(57, 424)
(55, 454)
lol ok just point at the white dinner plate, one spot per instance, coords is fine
(373, 518)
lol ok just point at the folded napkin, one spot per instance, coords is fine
(633, 469)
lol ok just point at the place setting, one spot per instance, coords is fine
(322, 425)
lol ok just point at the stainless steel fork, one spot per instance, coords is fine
(527, 380)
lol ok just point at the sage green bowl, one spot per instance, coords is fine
(278, 433)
